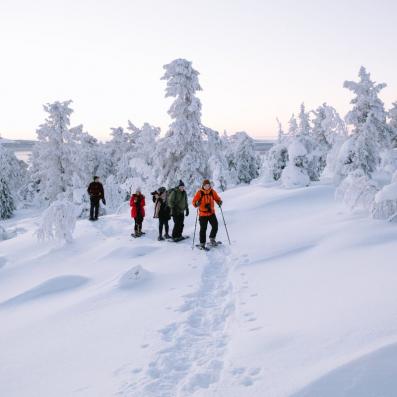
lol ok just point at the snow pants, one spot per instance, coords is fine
(212, 219)
(94, 209)
(138, 224)
(163, 223)
(178, 225)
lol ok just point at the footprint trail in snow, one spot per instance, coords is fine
(194, 347)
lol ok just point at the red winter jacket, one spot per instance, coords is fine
(137, 204)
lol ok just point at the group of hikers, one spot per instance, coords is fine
(168, 204)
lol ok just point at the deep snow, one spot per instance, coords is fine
(303, 303)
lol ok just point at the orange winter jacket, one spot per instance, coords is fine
(207, 199)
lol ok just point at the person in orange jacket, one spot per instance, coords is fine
(205, 200)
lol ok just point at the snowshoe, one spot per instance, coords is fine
(178, 239)
(215, 243)
(160, 238)
(135, 235)
(202, 247)
(167, 237)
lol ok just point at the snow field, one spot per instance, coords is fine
(303, 297)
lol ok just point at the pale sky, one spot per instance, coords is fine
(258, 60)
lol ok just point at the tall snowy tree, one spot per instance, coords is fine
(370, 133)
(12, 179)
(218, 165)
(53, 163)
(181, 152)
(329, 131)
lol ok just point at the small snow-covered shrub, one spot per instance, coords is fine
(58, 221)
(357, 190)
(385, 203)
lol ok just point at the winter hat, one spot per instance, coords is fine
(181, 183)
(138, 190)
(162, 189)
(95, 177)
(206, 182)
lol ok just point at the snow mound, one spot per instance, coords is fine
(52, 286)
(374, 374)
(133, 277)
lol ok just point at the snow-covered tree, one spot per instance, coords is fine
(53, 163)
(7, 204)
(218, 166)
(58, 221)
(181, 153)
(295, 174)
(276, 160)
(115, 194)
(243, 161)
(12, 179)
(305, 159)
(370, 132)
(330, 132)
(142, 161)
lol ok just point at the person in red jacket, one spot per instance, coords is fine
(137, 203)
(205, 200)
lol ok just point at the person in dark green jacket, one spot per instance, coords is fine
(177, 201)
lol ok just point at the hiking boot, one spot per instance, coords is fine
(160, 238)
(167, 236)
(213, 242)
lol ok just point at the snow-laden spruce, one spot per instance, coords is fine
(371, 134)
(12, 178)
(181, 153)
(330, 132)
(243, 162)
(64, 159)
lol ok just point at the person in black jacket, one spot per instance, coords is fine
(162, 212)
(95, 190)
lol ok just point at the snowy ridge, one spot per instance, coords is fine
(193, 356)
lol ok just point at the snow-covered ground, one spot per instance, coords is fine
(303, 303)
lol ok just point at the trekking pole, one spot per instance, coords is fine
(224, 222)
(195, 227)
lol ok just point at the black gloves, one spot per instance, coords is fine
(104, 201)
(220, 204)
(187, 212)
(197, 203)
